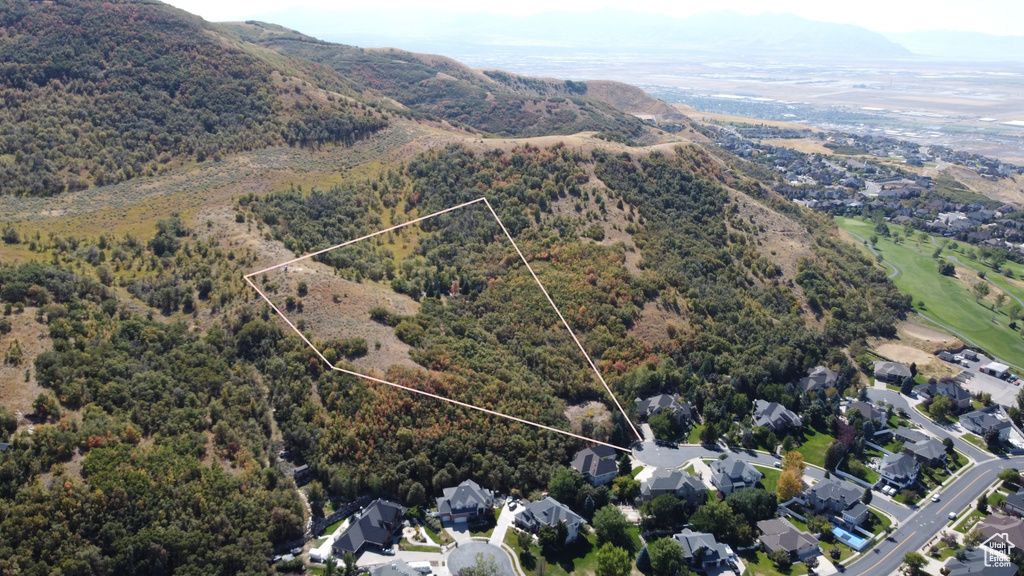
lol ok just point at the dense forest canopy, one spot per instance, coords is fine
(101, 92)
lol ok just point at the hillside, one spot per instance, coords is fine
(147, 393)
(492, 102)
(98, 93)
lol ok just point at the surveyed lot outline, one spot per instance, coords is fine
(248, 278)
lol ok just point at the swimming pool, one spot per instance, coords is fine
(856, 542)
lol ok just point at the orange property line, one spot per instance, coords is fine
(248, 278)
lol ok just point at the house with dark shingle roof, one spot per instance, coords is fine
(597, 464)
(891, 372)
(840, 498)
(908, 435)
(900, 470)
(670, 403)
(1015, 503)
(981, 422)
(818, 378)
(997, 524)
(730, 475)
(929, 451)
(396, 568)
(778, 534)
(960, 398)
(374, 527)
(4, 446)
(701, 550)
(774, 416)
(549, 512)
(868, 411)
(465, 502)
(977, 563)
(675, 482)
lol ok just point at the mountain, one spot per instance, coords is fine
(489, 101)
(606, 30)
(99, 93)
(962, 46)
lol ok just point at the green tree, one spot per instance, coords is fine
(982, 504)
(665, 426)
(914, 562)
(754, 504)
(666, 557)
(1010, 476)
(781, 559)
(866, 498)
(709, 435)
(940, 408)
(610, 525)
(483, 566)
(317, 496)
(663, 512)
(717, 518)
(613, 561)
(980, 290)
(564, 485)
(834, 455)
(626, 487)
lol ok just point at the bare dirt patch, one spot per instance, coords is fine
(654, 323)
(34, 338)
(335, 307)
(927, 338)
(600, 425)
(927, 364)
(805, 145)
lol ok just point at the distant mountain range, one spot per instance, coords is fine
(768, 35)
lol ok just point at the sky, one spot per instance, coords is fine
(1001, 17)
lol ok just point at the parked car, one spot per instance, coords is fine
(958, 359)
(952, 515)
(777, 464)
(935, 498)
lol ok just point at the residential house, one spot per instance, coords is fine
(730, 474)
(774, 416)
(818, 378)
(986, 420)
(4, 446)
(977, 563)
(397, 568)
(301, 474)
(945, 355)
(373, 527)
(960, 398)
(597, 464)
(891, 372)
(465, 502)
(840, 498)
(549, 512)
(675, 482)
(998, 524)
(900, 470)
(869, 412)
(683, 411)
(909, 435)
(702, 550)
(929, 452)
(778, 534)
(1015, 503)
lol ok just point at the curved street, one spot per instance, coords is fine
(915, 525)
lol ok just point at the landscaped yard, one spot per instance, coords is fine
(976, 440)
(947, 300)
(771, 477)
(486, 533)
(758, 564)
(813, 446)
(881, 522)
(330, 529)
(973, 518)
(933, 477)
(578, 558)
(694, 436)
(441, 539)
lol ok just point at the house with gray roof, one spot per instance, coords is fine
(374, 527)
(549, 512)
(4, 446)
(981, 422)
(675, 482)
(671, 403)
(908, 435)
(597, 464)
(701, 550)
(818, 378)
(774, 416)
(869, 412)
(778, 534)
(465, 502)
(730, 475)
(840, 498)
(1015, 503)
(900, 470)
(891, 372)
(977, 563)
(960, 398)
(397, 568)
(929, 452)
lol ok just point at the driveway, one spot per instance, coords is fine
(505, 519)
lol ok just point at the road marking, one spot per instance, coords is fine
(889, 554)
(960, 492)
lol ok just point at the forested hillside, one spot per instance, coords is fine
(494, 102)
(101, 92)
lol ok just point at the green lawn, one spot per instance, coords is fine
(694, 436)
(771, 477)
(490, 527)
(330, 529)
(410, 547)
(933, 477)
(636, 471)
(881, 521)
(945, 299)
(439, 539)
(578, 558)
(814, 445)
(976, 440)
(758, 564)
(969, 521)
(996, 498)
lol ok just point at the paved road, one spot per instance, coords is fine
(900, 401)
